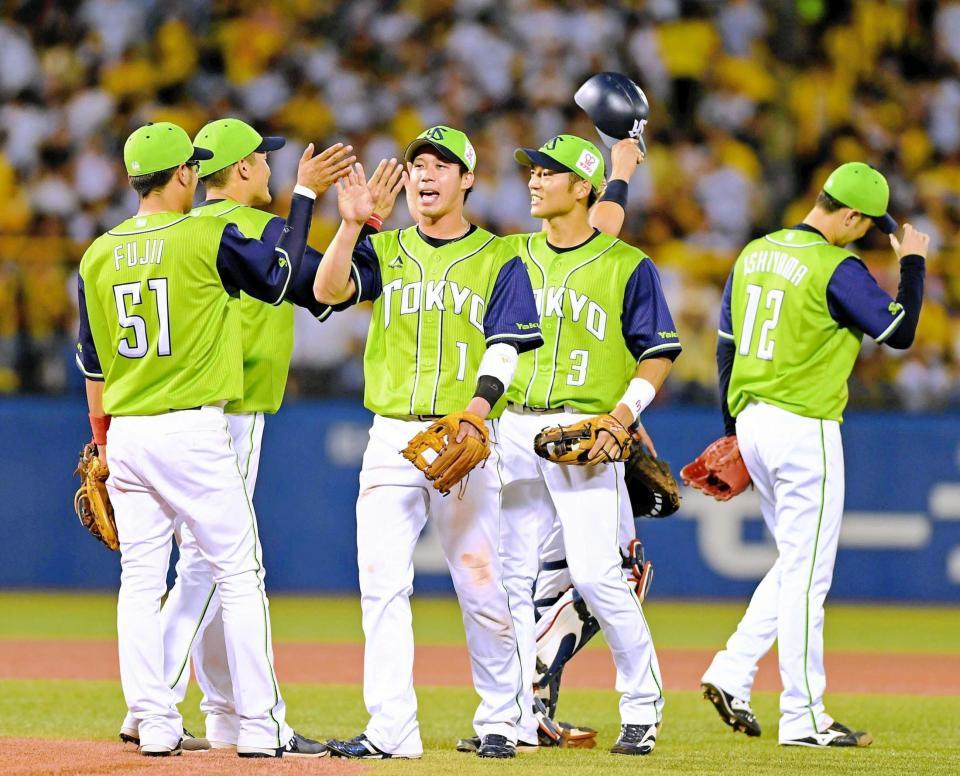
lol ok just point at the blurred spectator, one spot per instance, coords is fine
(752, 104)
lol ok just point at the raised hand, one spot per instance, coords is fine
(354, 197)
(914, 242)
(625, 157)
(318, 173)
(385, 184)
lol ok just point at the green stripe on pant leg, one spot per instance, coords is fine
(193, 638)
(813, 563)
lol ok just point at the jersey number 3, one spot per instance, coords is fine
(136, 346)
(772, 303)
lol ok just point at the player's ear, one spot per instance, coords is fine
(466, 181)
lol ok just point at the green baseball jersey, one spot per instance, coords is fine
(266, 331)
(796, 308)
(166, 333)
(602, 310)
(437, 306)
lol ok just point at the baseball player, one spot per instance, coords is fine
(609, 343)
(452, 308)
(236, 181)
(794, 311)
(160, 347)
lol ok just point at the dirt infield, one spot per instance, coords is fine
(30, 757)
(447, 666)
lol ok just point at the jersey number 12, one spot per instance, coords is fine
(136, 325)
(773, 303)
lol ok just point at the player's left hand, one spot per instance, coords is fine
(353, 197)
(478, 407)
(385, 184)
(638, 432)
(319, 172)
(607, 447)
(625, 157)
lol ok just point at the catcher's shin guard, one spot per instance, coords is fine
(561, 633)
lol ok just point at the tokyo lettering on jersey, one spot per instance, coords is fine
(437, 307)
(602, 310)
(266, 330)
(159, 320)
(796, 308)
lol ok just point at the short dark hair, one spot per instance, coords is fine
(827, 203)
(463, 171)
(592, 197)
(145, 184)
(221, 177)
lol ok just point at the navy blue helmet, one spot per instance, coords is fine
(617, 107)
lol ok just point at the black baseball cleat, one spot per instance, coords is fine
(735, 712)
(361, 748)
(299, 746)
(155, 750)
(636, 739)
(472, 744)
(494, 745)
(129, 736)
(835, 735)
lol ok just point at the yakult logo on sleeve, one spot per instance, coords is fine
(587, 163)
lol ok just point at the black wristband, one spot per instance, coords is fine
(616, 191)
(489, 388)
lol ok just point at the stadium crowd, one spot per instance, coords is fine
(751, 105)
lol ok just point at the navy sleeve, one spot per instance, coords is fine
(910, 295)
(365, 271)
(856, 301)
(87, 359)
(264, 269)
(725, 329)
(646, 322)
(511, 315)
(726, 351)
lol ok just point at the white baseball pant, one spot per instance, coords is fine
(394, 504)
(181, 466)
(796, 464)
(593, 510)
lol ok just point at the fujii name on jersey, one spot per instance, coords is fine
(550, 303)
(777, 262)
(137, 252)
(439, 295)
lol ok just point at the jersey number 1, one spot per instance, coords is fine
(773, 303)
(136, 325)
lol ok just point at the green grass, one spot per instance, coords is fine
(913, 735)
(693, 625)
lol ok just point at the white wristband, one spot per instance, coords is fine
(638, 395)
(304, 191)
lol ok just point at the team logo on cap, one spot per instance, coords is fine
(638, 126)
(587, 163)
(469, 154)
(135, 165)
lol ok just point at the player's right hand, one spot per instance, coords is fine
(318, 173)
(914, 242)
(354, 197)
(385, 184)
(625, 157)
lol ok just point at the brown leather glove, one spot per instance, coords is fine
(572, 443)
(454, 460)
(92, 502)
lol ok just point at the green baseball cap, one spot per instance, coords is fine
(159, 146)
(231, 140)
(450, 143)
(861, 187)
(566, 153)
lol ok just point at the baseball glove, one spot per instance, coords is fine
(92, 502)
(718, 471)
(453, 460)
(653, 490)
(572, 444)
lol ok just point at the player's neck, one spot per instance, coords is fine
(445, 227)
(226, 192)
(569, 230)
(163, 201)
(823, 223)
